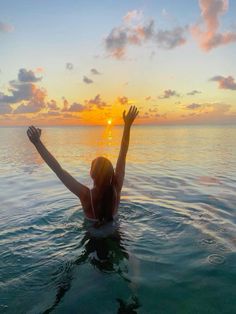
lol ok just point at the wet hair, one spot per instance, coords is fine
(102, 172)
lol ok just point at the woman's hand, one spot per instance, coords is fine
(130, 116)
(34, 134)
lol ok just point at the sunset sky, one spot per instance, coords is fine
(83, 62)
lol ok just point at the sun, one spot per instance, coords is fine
(109, 121)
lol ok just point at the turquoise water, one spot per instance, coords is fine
(174, 248)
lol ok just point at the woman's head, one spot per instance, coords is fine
(102, 171)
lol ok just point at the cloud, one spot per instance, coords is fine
(35, 104)
(145, 115)
(133, 16)
(212, 113)
(5, 108)
(123, 100)
(169, 93)
(121, 37)
(69, 66)
(145, 32)
(49, 113)
(65, 105)
(75, 107)
(87, 80)
(210, 37)
(193, 92)
(116, 42)
(153, 110)
(28, 76)
(18, 92)
(24, 90)
(52, 105)
(225, 82)
(95, 72)
(193, 106)
(170, 39)
(39, 70)
(96, 101)
(6, 28)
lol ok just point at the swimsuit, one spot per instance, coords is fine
(105, 230)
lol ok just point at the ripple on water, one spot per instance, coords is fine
(223, 248)
(216, 259)
(207, 242)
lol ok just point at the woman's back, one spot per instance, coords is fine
(95, 201)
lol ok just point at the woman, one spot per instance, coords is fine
(100, 204)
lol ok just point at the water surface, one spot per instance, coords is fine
(173, 251)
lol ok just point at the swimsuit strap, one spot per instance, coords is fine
(92, 204)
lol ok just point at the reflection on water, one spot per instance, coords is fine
(176, 231)
(105, 254)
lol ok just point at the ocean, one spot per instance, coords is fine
(174, 247)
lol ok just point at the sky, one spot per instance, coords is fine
(72, 62)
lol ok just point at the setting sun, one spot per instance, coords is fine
(109, 121)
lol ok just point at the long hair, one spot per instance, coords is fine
(102, 172)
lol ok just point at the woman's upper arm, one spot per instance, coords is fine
(73, 185)
(120, 171)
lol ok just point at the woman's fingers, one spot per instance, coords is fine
(124, 114)
(33, 131)
(134, 111)
(130, 110)
(131, 115)
(28, 133)
(39, 131)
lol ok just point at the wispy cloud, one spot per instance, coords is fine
(169, 93)
(87, 80)
(52, 105)
(211, 113)
(95, 72)
(133, 16)
(96, 102)
(211, 37)
(123, 36)
(123, 100)
(193, 92)
(170, 39)
(193, 106)
(69, 66)
(39, 70)
(74, 107)
(224, 82)
(28, 76)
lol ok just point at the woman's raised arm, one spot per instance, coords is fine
(120, 166)
(71, 183)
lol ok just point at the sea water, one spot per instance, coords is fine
(173, 249)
